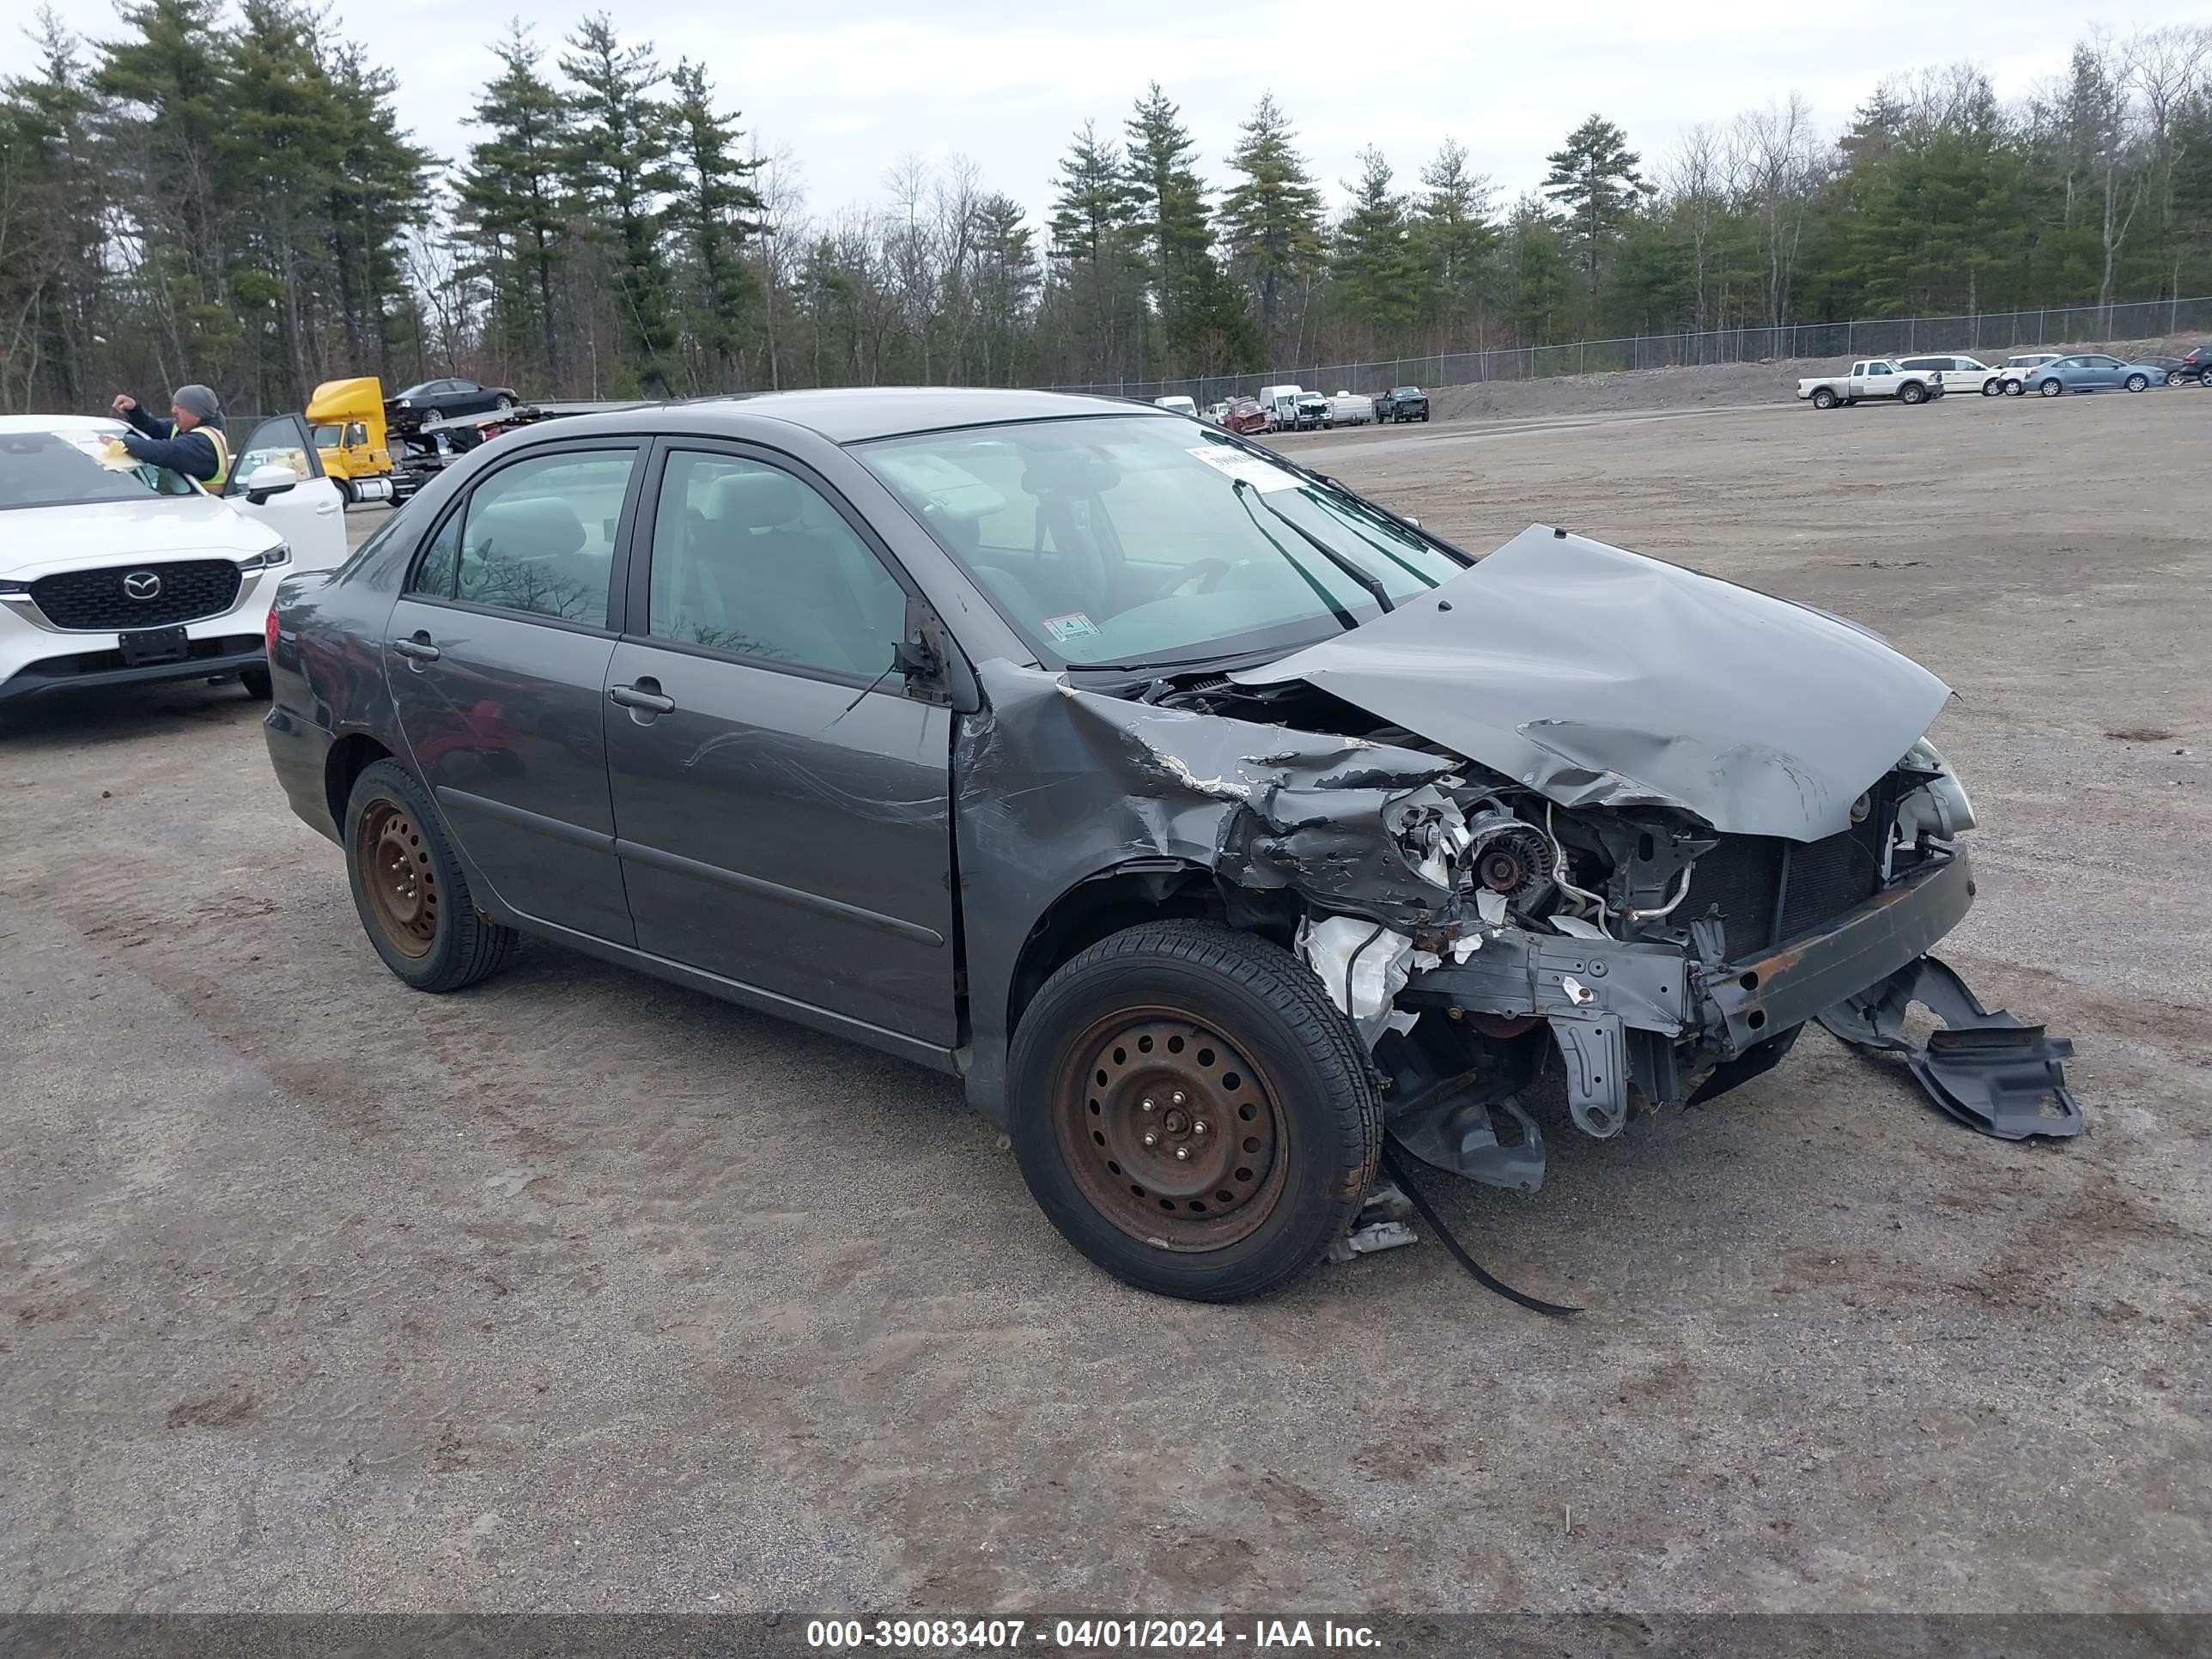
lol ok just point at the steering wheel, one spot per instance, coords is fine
(1208, 573)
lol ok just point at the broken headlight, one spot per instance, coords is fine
(1939, 807)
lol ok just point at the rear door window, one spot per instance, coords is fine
(538, 537)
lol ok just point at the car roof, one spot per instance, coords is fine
(847, 414)
(59, 422)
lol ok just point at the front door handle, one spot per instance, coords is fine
(644, 695)
(417, 649)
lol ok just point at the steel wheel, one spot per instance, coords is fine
(1168, 1131)
(397, 878)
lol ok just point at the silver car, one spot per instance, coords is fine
(2092, 371)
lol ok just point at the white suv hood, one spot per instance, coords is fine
(38, 541)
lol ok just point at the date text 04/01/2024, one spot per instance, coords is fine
(1085, 1634)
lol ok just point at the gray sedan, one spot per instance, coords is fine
(2091, 371)
(1215, 824)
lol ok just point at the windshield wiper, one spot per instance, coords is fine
(1239, 487)
(1367, 579)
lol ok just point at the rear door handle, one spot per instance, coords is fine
(645, 695)
(418, 649)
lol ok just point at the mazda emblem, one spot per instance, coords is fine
(142, 585)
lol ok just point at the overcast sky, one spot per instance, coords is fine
(849, 87)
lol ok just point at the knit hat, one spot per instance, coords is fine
(201, 400)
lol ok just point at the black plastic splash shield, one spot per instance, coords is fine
(1985, 1068)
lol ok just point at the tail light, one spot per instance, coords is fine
(268, 633)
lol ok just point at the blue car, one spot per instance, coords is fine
(2091, 371)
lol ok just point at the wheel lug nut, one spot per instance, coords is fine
(1176, 1097)
(1146, 1106)
(1182, 1154)
(1152, 1139)
(1198, 1127)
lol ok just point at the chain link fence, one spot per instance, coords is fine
(1988, 331)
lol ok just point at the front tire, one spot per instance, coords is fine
(408, 889)
(1913, 393)
(256, 684)
(1993, 388)
(1224, 1050)
(2138, 383)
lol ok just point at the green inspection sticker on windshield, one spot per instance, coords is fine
(1260, 474)
(1073, 626)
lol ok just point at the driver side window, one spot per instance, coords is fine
(752, 560)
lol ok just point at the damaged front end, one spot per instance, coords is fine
(1575, 806)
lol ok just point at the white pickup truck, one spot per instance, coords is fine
(1875, 377)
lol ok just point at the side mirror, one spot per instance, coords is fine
(271, 478)
(933, 666)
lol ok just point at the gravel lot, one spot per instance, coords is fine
(577, 1290)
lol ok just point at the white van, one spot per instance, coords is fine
(1281, 403)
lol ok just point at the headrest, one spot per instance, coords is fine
(755, 498)
(529, 527)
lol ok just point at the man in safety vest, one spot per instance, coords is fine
(192, 441)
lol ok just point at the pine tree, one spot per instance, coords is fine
(51, 244)
(1093, 246)
(1169, 220)
(163, 115)
(619, 168)
(1536, 259)
(513, 196)
(1373, 263)
(381, 192)
(717, 208)
(280, 153)
(1272, 219)
(1453, 239)
(1005, 284)
(1594, 176)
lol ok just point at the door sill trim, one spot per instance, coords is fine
(750, 996)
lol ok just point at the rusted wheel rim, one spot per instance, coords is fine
(397, 875)
(1170, 1133)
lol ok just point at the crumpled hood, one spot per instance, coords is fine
(1601, 677)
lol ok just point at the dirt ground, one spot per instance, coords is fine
(580, 1292)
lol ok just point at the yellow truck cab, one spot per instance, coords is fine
(346, 418)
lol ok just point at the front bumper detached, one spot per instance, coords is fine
(1638, 1020)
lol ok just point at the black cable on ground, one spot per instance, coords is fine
(1396, 1170)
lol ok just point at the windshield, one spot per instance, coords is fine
(68, 467)
(1136, 542)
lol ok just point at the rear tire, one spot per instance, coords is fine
(408, 889)
(2137, 383)
(1251, 1072)
(1823, 398)
(2050, 388)
(2014, 389)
